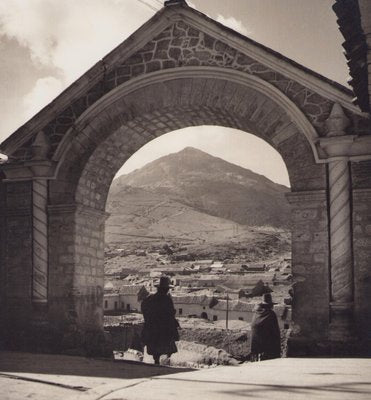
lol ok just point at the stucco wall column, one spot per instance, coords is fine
(341, 268)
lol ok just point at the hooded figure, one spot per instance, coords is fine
(160, 329)
(265, 332)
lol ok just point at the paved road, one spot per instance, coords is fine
(44, 377)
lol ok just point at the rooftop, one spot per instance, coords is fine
(234, 305)
(131, 289)
(189, 299)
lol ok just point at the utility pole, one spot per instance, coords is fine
(226, 313)
(226, 324)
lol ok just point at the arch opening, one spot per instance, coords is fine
(153, 228)
(106, 136)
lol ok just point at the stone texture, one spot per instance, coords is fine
(362, 255)
(104, 140)
(340, 232)
(180, 46)
(361, 174)
(310, 238)
(76, 274)
(121, 134)
(2, 258)
(16, 268)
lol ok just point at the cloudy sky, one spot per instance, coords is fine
(46, 45)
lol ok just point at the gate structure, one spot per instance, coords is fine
(183, 69)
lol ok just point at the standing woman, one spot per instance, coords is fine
(160, 331)
(265, 332)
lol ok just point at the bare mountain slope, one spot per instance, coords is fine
(193, 191)
(142, 215)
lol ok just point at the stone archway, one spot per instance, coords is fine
(182, 69)
(89, 181)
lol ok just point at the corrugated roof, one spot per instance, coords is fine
(355, 45)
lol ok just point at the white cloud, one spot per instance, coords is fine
(44, 91)
(71, 35)
(68, 36)
(234, 24)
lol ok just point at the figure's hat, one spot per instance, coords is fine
(267, 299)
(164, 282)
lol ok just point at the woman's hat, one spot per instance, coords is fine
(164, 282)
(267, 299)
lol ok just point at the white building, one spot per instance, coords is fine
(210, 308)
(131, 297)
(111, 301)
(237, 310)
(128, 298)
(213, 309)
(189, 305)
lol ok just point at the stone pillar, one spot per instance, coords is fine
(2, 257)
(89, 273)
(40, 149)
(61, 244)
(310, 263)
(76, 276)
(361, 204)
(339, 198)
(40, 242)
(341, 269)
(16, 263)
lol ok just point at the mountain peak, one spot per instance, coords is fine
(211, 185)
(192, 150)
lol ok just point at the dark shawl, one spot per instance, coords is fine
(265, 334)
(160, 329)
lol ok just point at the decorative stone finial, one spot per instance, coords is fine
(3, 158)
(40, 147)
(337, 122)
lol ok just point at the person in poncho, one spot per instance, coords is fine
(265, 332)
(160, 331)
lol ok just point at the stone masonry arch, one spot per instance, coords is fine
(196, 96)
(182, 69)
(187, 98)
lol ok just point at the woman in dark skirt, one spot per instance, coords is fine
(160, 331)
(265, 332)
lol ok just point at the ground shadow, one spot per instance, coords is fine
(16, 362)
(256, 390)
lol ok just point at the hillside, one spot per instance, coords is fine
(192, 195)
(141, 214)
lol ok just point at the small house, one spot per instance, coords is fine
(131, 297)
